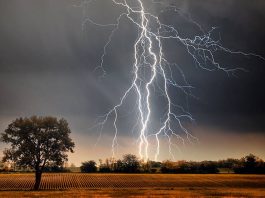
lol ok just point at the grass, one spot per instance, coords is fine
(134, 185)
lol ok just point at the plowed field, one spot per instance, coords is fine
(224, 184)
(82, 181)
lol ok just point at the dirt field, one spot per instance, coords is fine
(133, 185)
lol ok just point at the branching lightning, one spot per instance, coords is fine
(150, 64)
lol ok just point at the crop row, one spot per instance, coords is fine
(82, 181)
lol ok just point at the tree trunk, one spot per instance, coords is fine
(38, 174)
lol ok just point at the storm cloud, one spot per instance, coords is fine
(48, 58)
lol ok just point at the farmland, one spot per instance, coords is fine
(80, 184)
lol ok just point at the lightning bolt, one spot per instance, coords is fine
(150, 65)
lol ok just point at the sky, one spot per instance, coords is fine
(49, 52)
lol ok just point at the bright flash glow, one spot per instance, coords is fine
(151, 65)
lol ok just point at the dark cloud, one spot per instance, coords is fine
(47, 61)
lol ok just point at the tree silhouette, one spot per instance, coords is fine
(131, 163)
(88, 166)
(36, 142)
(250, 162)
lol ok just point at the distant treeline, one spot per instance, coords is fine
(249, 164)
(131, 164)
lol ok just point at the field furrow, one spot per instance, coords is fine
(64, 181)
